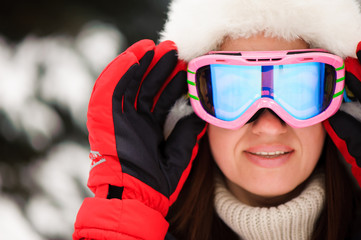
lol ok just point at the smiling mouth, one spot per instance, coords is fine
(270, 154)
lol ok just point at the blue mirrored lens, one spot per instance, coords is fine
(234, 89)
(299, 88)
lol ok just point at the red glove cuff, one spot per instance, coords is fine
(100, 218)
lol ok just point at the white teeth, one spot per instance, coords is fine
(270, 153)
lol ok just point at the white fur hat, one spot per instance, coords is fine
(199, 26)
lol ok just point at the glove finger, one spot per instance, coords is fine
(141, 47)
(107, 94)
(348, 129)
(358, 51)
(353, 87)
(165, 60)
(182, 147)
(353, 77)
(172, 90)
(100, 110)
(135, 81)
(144, 51)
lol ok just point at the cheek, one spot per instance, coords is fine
(219, 142)
(226, 146)
(312, 140)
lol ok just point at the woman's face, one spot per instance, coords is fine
(266, 160)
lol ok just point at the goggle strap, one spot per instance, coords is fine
(338, 94)
(340, 79)
(192, 96)
(191, 83)
(190, 71)
(340, 68)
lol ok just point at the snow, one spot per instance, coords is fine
(13, 225)
(66, 79)
(37, 75)
(40, 122)
(97, 42)
(60, 175)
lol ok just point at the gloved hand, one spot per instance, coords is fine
(344, 127)
(136, 173)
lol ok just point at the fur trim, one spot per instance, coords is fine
(352, 108)
(180, 109)
(199, 26)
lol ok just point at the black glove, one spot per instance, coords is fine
(344, 127)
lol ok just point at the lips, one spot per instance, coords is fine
(269, 156)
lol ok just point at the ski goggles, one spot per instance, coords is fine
(303, 87)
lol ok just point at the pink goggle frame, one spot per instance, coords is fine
(266, 58)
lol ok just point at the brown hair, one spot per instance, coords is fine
(193, 216)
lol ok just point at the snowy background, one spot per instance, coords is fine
(50, 57)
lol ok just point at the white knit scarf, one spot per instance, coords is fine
(292, 220)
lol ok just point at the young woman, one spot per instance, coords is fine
(268, 180)
(259, 157)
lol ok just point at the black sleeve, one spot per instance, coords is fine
(169, 236)
(356, 229)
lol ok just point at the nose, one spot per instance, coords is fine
(268, 123)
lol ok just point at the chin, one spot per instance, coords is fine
(278, 192)
(272, 193)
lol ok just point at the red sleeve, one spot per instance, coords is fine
(100, 218)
